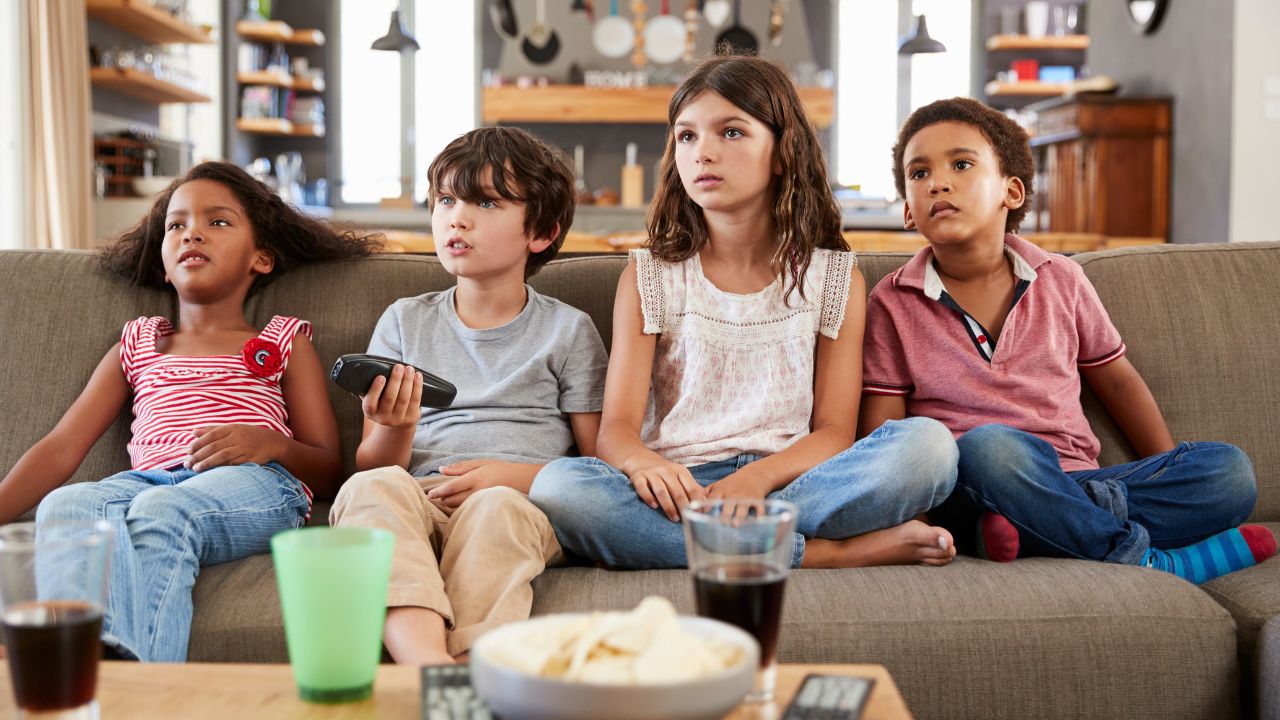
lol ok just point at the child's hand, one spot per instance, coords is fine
(396, 403)
(667, 485)
(471, 476)
(741, 484)
(218, 445)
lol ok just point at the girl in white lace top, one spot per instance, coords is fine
(737, 355)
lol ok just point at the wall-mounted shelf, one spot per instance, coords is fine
(1027, 87)
(582, 104)
(1026, 42)
(278, 126)
(280, 79)
(278, 31)
(143, 86)
(138, 17)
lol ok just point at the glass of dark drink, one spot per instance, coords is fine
(739, 554)
(52, 586)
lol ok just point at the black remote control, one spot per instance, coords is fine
(829, 697)
(447, 694)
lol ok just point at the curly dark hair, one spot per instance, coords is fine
(292, 238)
(1007, 138)
(525, 169)
(805, 213)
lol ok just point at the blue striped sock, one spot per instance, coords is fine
(1225, 552)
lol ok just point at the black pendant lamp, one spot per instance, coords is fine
(919, 41)
(396, 39)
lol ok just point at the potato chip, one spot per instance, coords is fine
(644, 646)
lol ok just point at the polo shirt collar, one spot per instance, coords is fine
(919, 272)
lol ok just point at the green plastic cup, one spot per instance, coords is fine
(333, 592)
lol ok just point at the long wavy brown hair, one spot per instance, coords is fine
(292, 238)
(805, 213)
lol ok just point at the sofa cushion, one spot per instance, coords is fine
(1268, 659)
(1032, 639)
(1201, 325)
(1035, 638)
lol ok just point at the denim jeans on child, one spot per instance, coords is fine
(897, 472)
(168, 525)
(1113, 514)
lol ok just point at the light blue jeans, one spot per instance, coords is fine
(168, 525)
(904, 468)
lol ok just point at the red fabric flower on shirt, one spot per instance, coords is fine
(261, 357)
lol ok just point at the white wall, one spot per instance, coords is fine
(1255, 125)
(13, 61)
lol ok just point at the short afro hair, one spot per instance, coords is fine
(1007, 138)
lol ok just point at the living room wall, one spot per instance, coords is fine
(1190, 59)
(1255, 115)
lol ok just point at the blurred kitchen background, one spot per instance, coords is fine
(1147, 115)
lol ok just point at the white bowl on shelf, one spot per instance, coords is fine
(154, 185)
(516, 695)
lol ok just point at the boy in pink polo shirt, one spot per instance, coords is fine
(990, 335)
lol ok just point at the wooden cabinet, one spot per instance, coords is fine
(1102, 166)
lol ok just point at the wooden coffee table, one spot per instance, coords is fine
(248, 692)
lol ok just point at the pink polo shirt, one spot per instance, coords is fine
(919, 346)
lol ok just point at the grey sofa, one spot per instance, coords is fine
(1035, 638)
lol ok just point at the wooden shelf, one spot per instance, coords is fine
(138, 17)
(1028, 87)
(278, 31)
(143, 86)
(1026, 42)
(582, 104)
(278, 126)
(279, 79)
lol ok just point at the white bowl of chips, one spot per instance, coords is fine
(647, 663)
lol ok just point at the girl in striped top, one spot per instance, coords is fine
(232, 427)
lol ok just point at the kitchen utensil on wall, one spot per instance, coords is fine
(664, 36)
(541, 44)
(613, 36)
(632, 180)
(716, 12)
(503, 18)
(585, 7)
(692, 17)
(737, 35)
(637, 19)
(777, 14)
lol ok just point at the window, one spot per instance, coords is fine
(392, 126)
(873, 78)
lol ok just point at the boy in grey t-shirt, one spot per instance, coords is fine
(452, 484)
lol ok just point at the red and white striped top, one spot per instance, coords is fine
(175, 394)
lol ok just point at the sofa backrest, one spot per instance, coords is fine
(1200, 322)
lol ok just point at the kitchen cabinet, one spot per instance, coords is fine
(1102, 166)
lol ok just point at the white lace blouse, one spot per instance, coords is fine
(733, 373)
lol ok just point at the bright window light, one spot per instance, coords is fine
(936, 76)
(448, 75)
(370, 104)
(866, 108)
(867, 97)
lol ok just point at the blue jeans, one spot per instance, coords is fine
(168, 525)
(897, 472)
(1113, 514)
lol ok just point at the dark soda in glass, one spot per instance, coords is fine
(53, 649)
(748, 595)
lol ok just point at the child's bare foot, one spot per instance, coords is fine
(415, 636)
(910, 543)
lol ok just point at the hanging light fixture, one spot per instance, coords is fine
(919, 41)
(397, 38)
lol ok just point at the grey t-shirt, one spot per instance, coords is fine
(516, 383)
